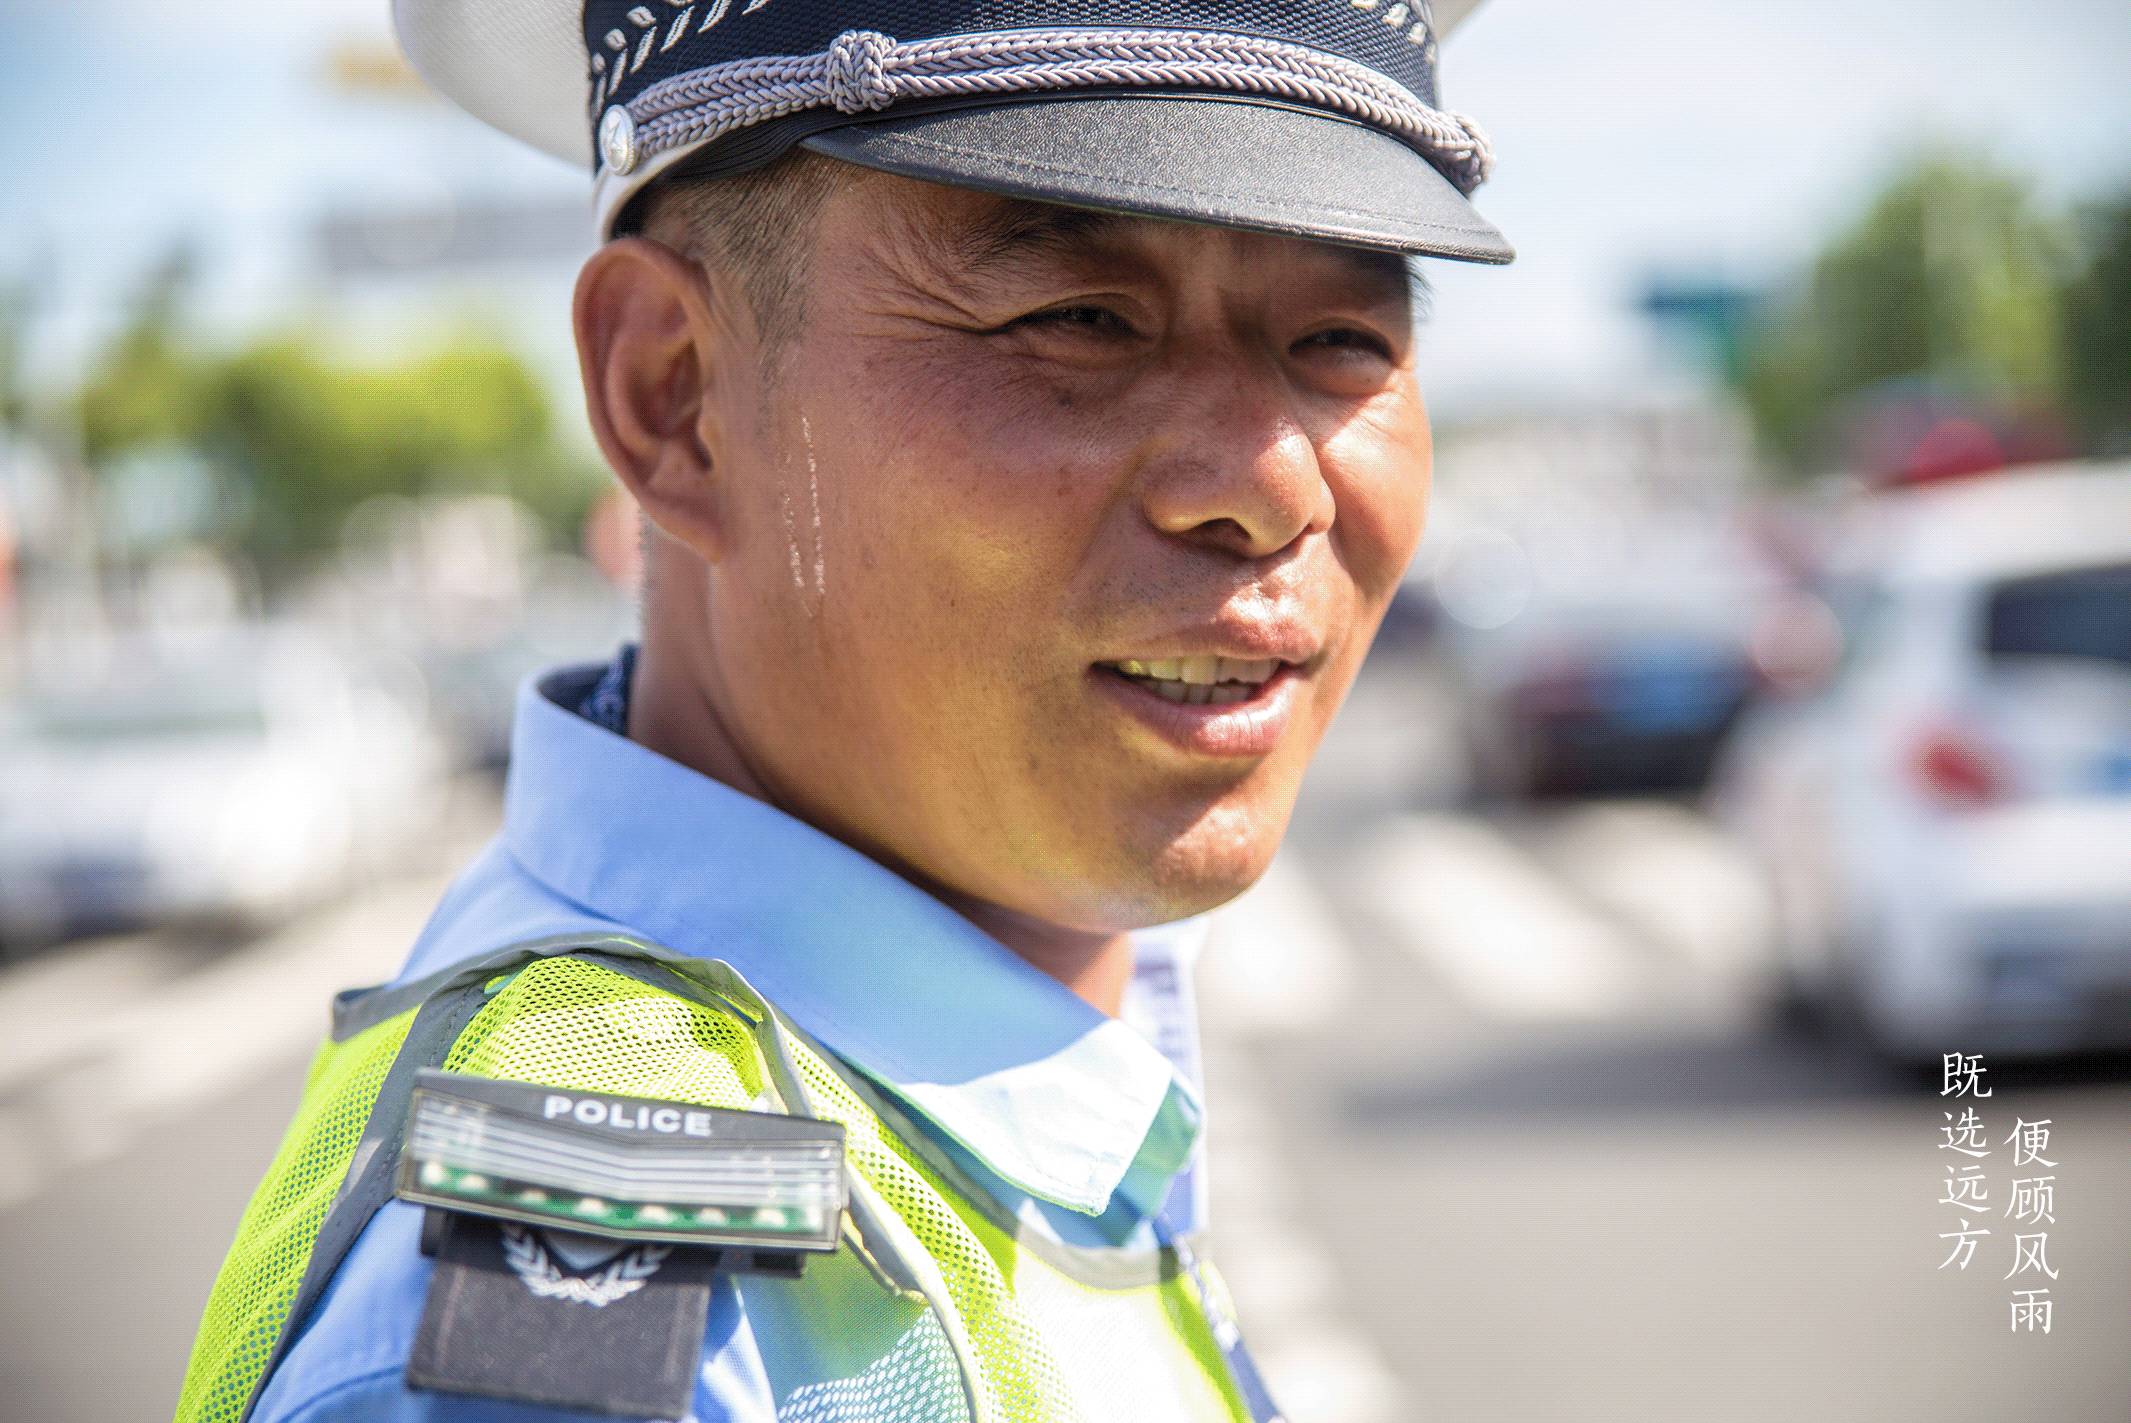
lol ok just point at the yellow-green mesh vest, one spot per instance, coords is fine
(1042, 1340)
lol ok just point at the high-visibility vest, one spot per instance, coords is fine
(933, 1308)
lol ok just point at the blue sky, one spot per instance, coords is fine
(1726, 138)
(1696, 135)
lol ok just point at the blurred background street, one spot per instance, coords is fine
(1753, 729)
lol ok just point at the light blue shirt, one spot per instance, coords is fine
(1084, 1126)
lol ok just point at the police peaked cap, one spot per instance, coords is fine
(1313, 118)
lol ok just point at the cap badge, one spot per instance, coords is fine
(617, 139)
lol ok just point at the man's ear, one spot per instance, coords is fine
(653, 342)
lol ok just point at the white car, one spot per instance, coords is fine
(237, 788)
(1946, 824)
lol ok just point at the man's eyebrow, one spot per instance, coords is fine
(1016, 232)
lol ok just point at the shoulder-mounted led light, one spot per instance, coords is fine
(628, 1168)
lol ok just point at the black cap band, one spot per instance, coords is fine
(634, 44)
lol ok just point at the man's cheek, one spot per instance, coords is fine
(1382, 511)
(1021, 444)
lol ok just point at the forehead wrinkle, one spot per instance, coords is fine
(1371, 269)
(1368, 273)
(1009, 236)
(1016, 233)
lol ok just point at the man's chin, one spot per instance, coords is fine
(1216, 859)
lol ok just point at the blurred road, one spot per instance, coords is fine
(1498, 1134)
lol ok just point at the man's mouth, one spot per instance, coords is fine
(1199, 681)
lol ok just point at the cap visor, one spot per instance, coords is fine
(1232, 162)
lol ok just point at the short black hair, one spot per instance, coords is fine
(757, 225)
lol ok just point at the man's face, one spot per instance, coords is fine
(1017, 459)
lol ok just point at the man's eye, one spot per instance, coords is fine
(1346, 338)
(1098, 319)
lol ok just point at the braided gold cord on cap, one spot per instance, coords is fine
(863, 70)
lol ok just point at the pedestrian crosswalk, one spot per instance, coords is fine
(1686, 889)
(1281, 963)
(1588, 913)
(1489, 923)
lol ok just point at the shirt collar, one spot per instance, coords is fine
(1058, 1099)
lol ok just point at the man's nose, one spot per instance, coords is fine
(1234, 468)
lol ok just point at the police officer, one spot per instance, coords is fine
(1020, 398)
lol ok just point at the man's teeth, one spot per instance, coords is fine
(1202, 680)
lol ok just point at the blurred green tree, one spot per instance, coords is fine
(14, 336)
(298, 435)
(145, 388)
(304, 438)
(2097, 330)
(1950, 279)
